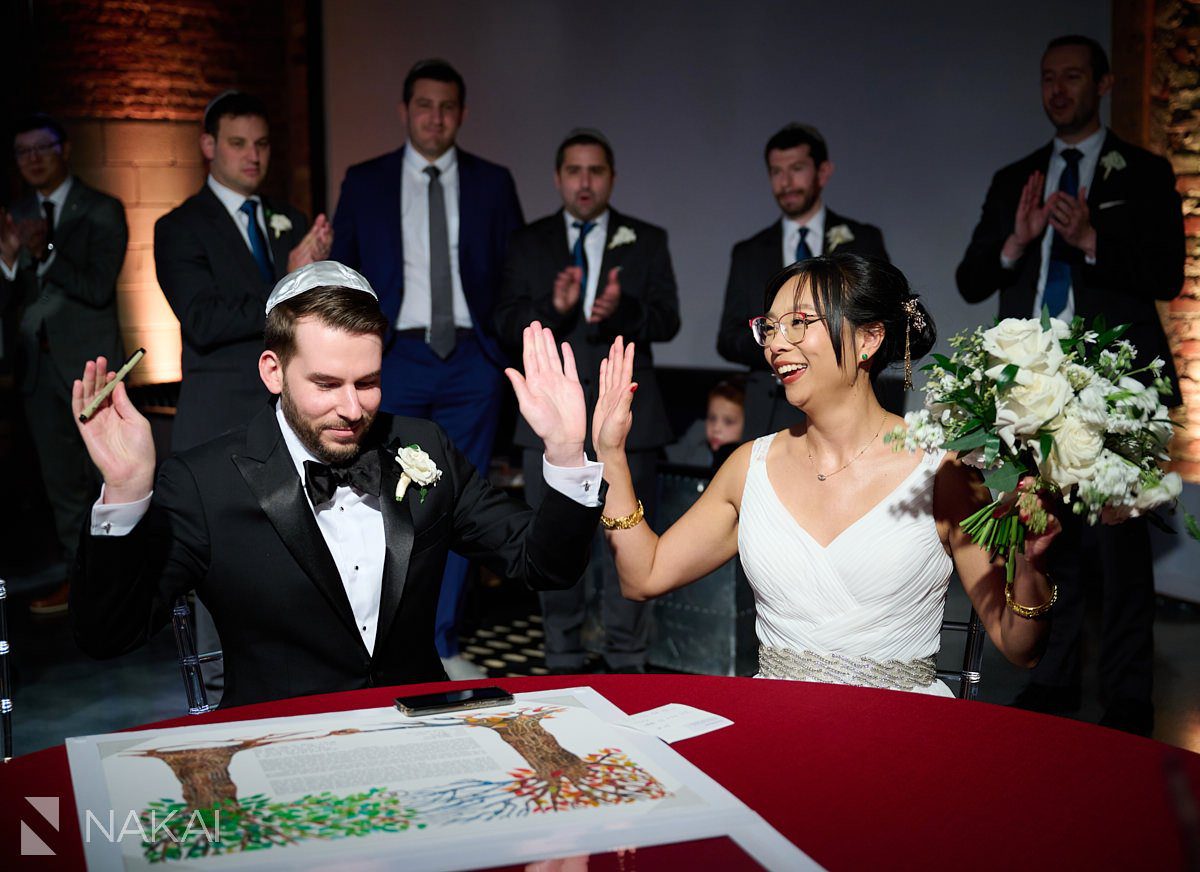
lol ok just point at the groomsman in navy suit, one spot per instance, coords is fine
(429, 226)
(1087, 225)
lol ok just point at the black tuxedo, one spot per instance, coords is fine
(230, 520)
(754, 262)
(648, 312)
(215, 289)
(1139, 247)
(1139, 259)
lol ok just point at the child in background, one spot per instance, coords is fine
(709, 441)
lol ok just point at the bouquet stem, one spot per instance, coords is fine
(1003, 536)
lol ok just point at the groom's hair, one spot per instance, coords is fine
(232, 104)
(795, 135)
(345, 309)
(439, 71)
(1096, 53)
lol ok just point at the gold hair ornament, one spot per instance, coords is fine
(915, 318)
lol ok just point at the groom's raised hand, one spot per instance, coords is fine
(117, 436)
(550, 396)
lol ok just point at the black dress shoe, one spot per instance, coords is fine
(1130, 715)
(1049, 699)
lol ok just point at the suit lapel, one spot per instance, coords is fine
(612, 257)
(271, 476)
(73, 210)
(280, 244)
(1103, 181)
(225, 229)
(398, 538)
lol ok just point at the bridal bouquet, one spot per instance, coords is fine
(1055, 401)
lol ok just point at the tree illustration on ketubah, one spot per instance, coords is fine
(555, 779)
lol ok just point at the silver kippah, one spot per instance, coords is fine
(319, 274)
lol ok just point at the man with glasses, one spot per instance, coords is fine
(61, 249)
(799, 168)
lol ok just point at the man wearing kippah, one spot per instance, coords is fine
(1087, 225)
(429, 225)
(592, 274)
(317, 535)
(798, 168)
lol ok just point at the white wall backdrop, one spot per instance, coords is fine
(920, 104)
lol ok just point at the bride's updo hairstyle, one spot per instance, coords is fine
(858, 291)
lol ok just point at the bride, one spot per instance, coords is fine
(847, 544)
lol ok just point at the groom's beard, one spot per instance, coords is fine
(309, 432)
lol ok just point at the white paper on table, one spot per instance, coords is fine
(675, 722)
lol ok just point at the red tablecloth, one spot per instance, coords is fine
(858, 779)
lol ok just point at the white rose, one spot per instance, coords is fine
(1167, 490)
(1034, 401)
(1092, 403)
(1022, 341)
(1077, 446)
(418, 465)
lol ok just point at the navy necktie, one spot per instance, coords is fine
(803, 252)
(258, 245)
(1058, 272)
(579, 255)
(441, 281)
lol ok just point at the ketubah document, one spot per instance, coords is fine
(551, 775)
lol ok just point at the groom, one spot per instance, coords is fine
(318, 535)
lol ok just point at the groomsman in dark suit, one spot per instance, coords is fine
(428, 225)
(591, 274)
(799, 168)
(61, 249)
(1087, 225)
(217, 257)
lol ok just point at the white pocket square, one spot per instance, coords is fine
(1111, 203)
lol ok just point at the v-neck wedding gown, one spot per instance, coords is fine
(866, 608)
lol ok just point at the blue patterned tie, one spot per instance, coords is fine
(803, 252)
(1058, 272)
(258, 245)
(578, 255)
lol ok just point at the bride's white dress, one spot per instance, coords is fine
(864, 609)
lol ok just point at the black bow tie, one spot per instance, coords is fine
(322, 480)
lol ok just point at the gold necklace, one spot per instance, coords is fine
(822, 476)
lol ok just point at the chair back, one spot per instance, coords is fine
(189, 658)
(968, 676)
(6, 706)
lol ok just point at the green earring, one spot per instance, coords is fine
(864, 355)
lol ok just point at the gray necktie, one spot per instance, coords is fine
(441, 288)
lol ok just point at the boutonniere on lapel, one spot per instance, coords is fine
(837, 235)
(279, 223)
(623, 236)
(1112, 161)
(417, 467)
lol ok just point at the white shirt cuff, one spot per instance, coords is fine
(10, 272)
(580, 483)
(117, 519)
(1007, 263)
(1089, 260)
(47, 263)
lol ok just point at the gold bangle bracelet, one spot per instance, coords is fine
(1028, 612)
(631, 520)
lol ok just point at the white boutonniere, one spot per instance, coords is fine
(835, 236)
(280, 223)
(417, 467)
(623, 236)
(1112, 161)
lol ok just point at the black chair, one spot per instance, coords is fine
(6, 706)
(189, 658)
(968, 676)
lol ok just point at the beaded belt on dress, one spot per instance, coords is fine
(844, 669)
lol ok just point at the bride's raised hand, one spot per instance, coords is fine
(612, 417)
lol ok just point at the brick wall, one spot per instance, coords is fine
(130, 80)
(1174, 130)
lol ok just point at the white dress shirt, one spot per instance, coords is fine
(352, 525)
(593, 249)
(232, 201)
(414, 223)
(1090, 148)
(815, 238)
(59, 198)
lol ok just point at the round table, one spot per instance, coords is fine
(856, 778)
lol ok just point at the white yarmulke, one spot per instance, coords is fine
(319, 274)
